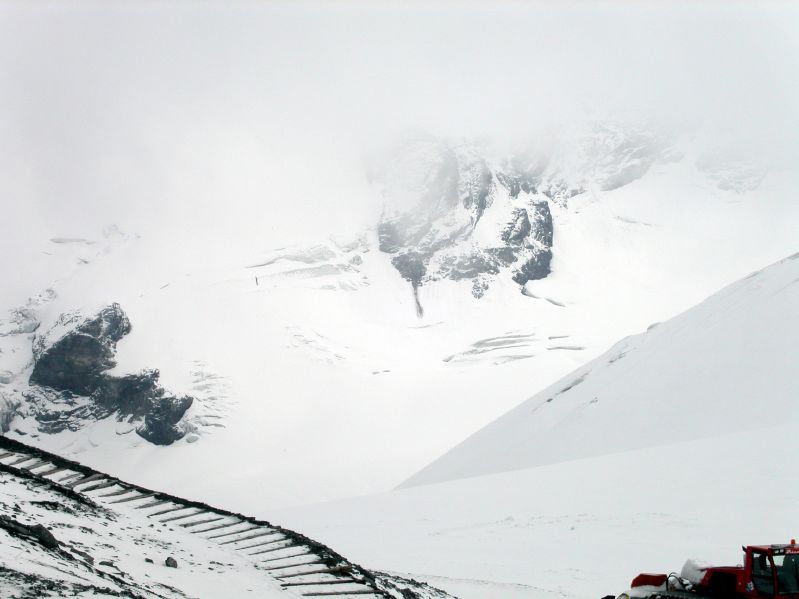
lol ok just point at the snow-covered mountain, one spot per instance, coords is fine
(658, 450)
(426, 284)
(315, 353)
(464, 212)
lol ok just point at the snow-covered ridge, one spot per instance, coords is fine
(52, 512)
(726, 365)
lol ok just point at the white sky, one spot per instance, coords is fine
(254, 118)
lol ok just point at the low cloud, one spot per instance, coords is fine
(258, 118)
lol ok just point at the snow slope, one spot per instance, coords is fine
(580, 529)
(724, 366)
(315, 370)
(71, 530)
(675, 443)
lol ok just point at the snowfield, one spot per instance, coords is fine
(675, 443)
(310, 365)
(579, 529)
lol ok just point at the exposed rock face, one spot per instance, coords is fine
(449, 215)
(7, 412)
(69, 382)
(457, 211)
(76, 361)
(36, 532)
(517, 230)
(436, 196)
(532, 234)
(162, 417)
(128, 394)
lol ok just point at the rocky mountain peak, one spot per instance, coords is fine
(457, 211)
(450, 215)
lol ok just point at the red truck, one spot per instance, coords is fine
(767, 571)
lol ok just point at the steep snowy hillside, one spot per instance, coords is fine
(310, 362)
(722, 367)
(657, 451)
(70, 530)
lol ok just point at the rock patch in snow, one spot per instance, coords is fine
(70, 383)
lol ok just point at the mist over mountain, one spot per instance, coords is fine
(271, 106)
(266, 254)
(483, 275)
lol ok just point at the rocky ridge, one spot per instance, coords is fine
(69, 383)
(69, 530)
(452, 211)
(449, 215)
(465, 211)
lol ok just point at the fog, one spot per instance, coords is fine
(255, 119)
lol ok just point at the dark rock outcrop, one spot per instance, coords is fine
(131, 394)
(35, 532)
(70, 384)
(536, 267)
(76, 361)
(450, 189)
(437, 195)
(56, 411)
(537, 243)
(543, 230)
(7, 412)
(162, 417)
(518, 229)
(411, 265)
(526, 241)
(470, 211)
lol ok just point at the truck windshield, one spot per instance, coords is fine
(787, 567)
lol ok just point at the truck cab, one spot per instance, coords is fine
(770, 570)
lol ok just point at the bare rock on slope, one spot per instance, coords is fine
(70, 383)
